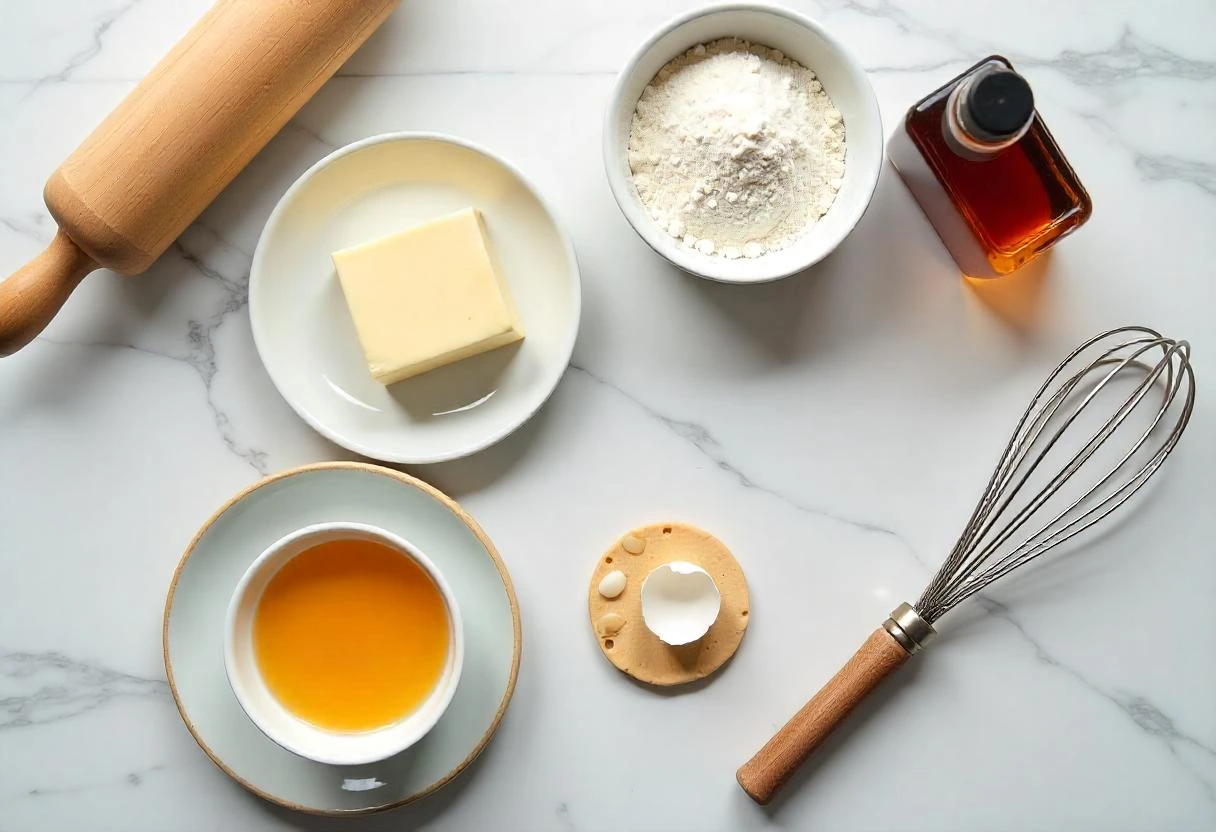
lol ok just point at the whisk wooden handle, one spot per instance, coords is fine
(764, 774)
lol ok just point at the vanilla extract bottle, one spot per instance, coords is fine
(987, 172)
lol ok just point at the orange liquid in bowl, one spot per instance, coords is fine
(351, 635)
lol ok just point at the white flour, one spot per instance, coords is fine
(735, 149)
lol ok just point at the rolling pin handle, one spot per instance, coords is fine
(36, 291)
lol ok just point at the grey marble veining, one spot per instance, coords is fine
(143, 406)
(100, 26)
(1195, 756)
(709, 447)
(199, 347)
(39, 688)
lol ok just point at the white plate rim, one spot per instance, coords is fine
(328, 431)
(404, 479)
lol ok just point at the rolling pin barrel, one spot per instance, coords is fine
(179, 137)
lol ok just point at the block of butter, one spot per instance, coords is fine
(427, 296)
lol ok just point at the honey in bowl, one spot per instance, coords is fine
(351, 635)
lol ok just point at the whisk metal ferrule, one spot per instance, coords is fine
(908, 628)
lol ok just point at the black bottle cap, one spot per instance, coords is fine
(999, 103)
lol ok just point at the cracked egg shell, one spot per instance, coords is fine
(680, 602)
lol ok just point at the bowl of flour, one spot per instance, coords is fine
(743, 143)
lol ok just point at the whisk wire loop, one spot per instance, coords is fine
(1065, 398)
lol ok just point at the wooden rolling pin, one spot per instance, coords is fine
(181, 135)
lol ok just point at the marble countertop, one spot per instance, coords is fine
(833, 429)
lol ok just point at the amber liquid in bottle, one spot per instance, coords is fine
(994, 209)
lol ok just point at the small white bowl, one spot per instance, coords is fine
(279, 724)
(804, 41)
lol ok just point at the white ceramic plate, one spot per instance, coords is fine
(303, 329)
(327, 492)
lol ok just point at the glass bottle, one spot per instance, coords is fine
(987, 172)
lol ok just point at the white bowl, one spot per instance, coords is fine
(279, 724)
(806, 42)
(303, 329)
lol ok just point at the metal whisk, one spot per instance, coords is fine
(1070, 464)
